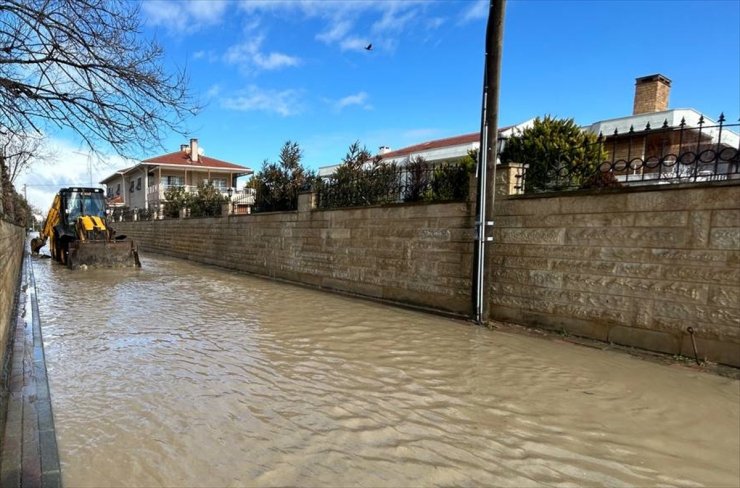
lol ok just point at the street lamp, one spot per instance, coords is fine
(230, 192)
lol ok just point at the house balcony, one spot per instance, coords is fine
(243, 198)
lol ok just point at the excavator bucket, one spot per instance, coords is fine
(103, 254)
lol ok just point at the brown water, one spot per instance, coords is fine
(183, 375)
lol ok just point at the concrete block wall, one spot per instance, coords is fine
(418, 254)
(12, 239)
(636, 268)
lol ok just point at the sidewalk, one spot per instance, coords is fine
(29, 454)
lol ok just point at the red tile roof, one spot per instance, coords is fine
(439, 143)
(179, 158)
(436, 144)
(115, 201)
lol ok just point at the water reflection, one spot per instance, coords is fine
(181, 375)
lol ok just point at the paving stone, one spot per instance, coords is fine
(31, 464)
(29, 455)
(51, 479)
(49, 452)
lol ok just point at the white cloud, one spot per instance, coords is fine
(207, 12)
(72, 167)
(353, 44)
(342, 19)
(274, 60)
(335, 32)
(435, 23)
(208, 55)
(184, 17)
(253, 98)
(359, 99)
(395, 18)
(478, 10)
(213, 91)
(248, 54)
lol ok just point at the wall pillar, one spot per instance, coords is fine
(307, 201)
(510, 179)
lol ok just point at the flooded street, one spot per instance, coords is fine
(182, 375)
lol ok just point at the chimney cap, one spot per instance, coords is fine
(650, 78)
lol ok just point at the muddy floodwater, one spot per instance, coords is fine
(183, 375)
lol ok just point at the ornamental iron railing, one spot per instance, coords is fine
(648, 156)
(379, 184)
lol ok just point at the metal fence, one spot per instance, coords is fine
(647, 156)
(390, 183)
(234, 202)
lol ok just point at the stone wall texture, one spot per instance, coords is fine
(12, 238)
(414, 254)
(636, 268)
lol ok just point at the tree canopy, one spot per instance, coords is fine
(83, 65)
(278, 184)
(560, 154)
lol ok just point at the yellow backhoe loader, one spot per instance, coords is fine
(78, 233)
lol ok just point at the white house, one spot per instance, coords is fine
(144, 185)
(435, 151)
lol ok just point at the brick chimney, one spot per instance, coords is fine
(194, 150)
(651, 94)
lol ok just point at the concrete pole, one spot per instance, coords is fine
(487, 156)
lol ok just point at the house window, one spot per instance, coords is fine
(109, 192)
(174, 180)
(118, 189)
(138, 183)
(131, 188)
(219, 183)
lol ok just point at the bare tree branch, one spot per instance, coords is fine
(20, 151)
(82, 64)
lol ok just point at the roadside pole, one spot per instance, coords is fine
(486, 168)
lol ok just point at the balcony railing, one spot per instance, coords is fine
(156, 193)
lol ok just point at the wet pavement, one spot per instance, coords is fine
(29, 455)
(178, 374)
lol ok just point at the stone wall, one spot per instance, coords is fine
(637, 268)
(415, 254)
(12, 238)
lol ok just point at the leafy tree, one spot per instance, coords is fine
(361, 179)
(176, 199)
(207, 202)
(560, 155)
(451, 182)
(278, 184)
(417, 178)
(22, 213)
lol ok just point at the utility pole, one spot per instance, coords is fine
(89, 164)
(487, 156)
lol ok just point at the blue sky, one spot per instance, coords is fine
(271, 71)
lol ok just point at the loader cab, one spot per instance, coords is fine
(76, 202)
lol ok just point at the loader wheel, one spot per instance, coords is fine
(54, 248)
(64, 253)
